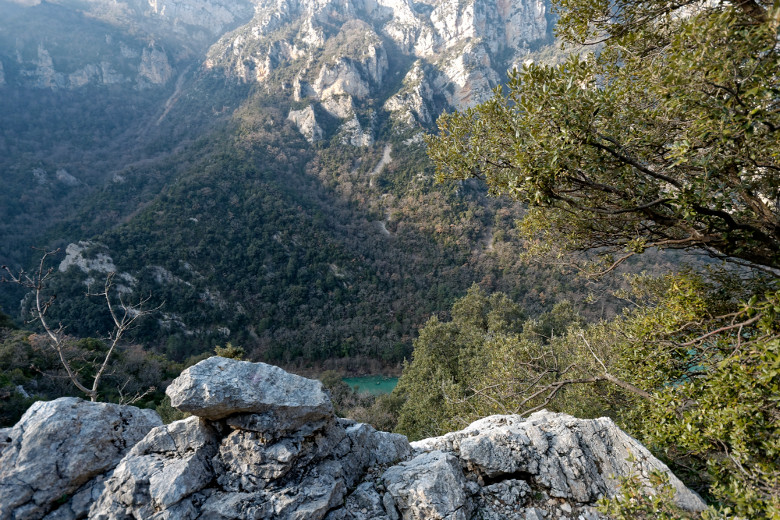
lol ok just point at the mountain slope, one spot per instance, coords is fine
(270, 186)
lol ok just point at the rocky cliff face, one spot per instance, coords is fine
(336, 58)
(40, 52)
(447, 53)
(263, 443)
(190, 22)
(126, 42)
(332, 47)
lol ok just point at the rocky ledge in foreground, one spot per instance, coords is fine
(54, 460)
(263, 443)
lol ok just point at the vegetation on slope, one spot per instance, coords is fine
(297, 253)
(666, 139)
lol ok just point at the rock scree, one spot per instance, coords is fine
(264, 444)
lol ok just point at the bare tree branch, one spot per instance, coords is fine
(123, 320)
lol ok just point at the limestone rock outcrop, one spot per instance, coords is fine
(195, 22)
(312, 49)
(414, 103)
(306, 122)
(407, 59)
(451, 52)
(154, 66)
(431, 485)
(54, 460)
(568, 460)
(139, 67)
(264, 444)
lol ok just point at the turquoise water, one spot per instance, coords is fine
(376, 385)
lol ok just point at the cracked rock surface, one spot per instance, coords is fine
(52, 460)
(264, 444)
(431, 485)
(548, 466)
(567, 463)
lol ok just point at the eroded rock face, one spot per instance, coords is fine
(154, 66)
(265, 444)
(571, 461)
(451, 52)
(170, 464)
(431, 485)
(62, 449)
(306, 122)
(197, 467)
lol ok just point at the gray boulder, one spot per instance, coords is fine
(169, 465)
(364, 447)
(572, 460)
(218, 387)
(266, 445)
(53, 461)
(548, 466)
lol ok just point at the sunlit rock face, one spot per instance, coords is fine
(449, 54)
(306, 122)
(263, 443)
(397, 58)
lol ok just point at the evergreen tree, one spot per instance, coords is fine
(666, 138)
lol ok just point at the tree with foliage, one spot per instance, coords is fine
(709, 363)
(230, 351)
(665, 138)
(487, 359)
(703, 398)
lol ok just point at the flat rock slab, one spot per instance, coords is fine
(218, 387)
(58, 447)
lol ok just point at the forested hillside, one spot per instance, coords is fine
(295, 253)
(263, 180)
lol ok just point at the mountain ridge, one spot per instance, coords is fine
(317, 252)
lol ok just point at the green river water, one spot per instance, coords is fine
(376, 385)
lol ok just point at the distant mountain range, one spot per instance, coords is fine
(258, 167)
